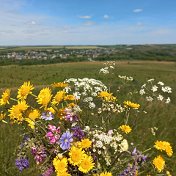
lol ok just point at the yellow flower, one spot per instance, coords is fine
(2, 116)
(106, 96)
(16, 111)
(25, 90)
(22, 105)
(159, 163)
(60, 165)
(59, 84)
(44, 97)
(69, 97)
(125, 128)
(76, 156)
(63, 173)
(71, 105)
(5, 97)
(30, 123)
(61, 113)
(164, 146)
(106, 174)
(34, 114)
(58, 97)
(85, 143)
(131, 104)
(50, 109)
(86, 164)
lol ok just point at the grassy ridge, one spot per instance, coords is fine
(160, 116)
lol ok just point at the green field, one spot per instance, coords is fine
(161, 116)
(20, 48)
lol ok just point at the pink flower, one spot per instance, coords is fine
(53, 134)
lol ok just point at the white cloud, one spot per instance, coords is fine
(33, 22)
(161, 32)
(89, 23)
(137, 10)
(85, 17)
(106, 16)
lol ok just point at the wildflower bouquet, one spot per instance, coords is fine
(61, 138)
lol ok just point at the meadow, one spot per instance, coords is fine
(161, 116)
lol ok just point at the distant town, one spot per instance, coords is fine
(62, 53)
(55, 54)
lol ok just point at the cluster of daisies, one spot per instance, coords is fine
(153, 90)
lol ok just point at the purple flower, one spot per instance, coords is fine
(65, 140)
(78, 132)
(138, 156)
(47, 116)
(70, 116)
(22, 163)
(48, 172)
(39, 154)
(130, 170)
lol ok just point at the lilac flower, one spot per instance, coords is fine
(47, 116)
(65, 140)
(22, 163)
(70, 116)
(130, 170)
(24, 140)
(48, 172)
(39, 154)
(139, 158)
(78, 132)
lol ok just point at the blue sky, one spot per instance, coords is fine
(82, 22)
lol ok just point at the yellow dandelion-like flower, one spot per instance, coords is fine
(164, 146)
(22, 105)
(159, 163)
(63, 173)
(50, 109)
(5, 97)
(31, 123)
(58, 97)
(106, 96)
(59, 84)
(44, 97)
(125, 128)
(69, 97)
(76, 156)
(25, 90)
(131, 105)
(86, 164)
(61, 113)
(34, 114)
(2, 116)
(71, 105)
(85, 143)
(60, 165)
(16, 111)
(106, 174)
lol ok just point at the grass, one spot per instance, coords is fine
(23, 48)
(160, 116)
